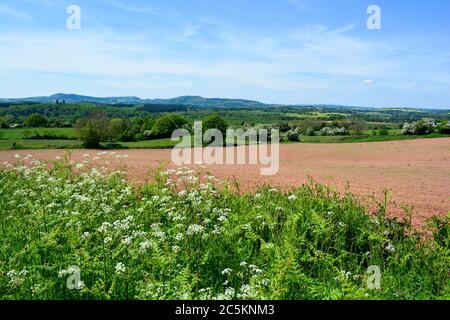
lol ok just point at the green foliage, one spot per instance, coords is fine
(383, 132)
(96, 128)
(284, 127)
(127, 136)
(27, 133)
(64, 113)
(167, 124)
(132, 123)
(358, 127)
(443, 127)
(90, 134)
(215, 121)
(4, 122)
(36, 120)
(181, 237)
(293, 135)
(421, 127)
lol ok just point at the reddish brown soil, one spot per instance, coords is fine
(417, 172)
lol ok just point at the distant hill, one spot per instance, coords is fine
(208, 102)
(184, 100)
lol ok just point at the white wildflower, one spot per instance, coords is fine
(127, 241)
(179, 237)
(194, 229)
(390, 247)
(120, 268)
(227, 271)
(144, 246)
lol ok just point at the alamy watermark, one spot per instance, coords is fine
(374, 20)
(263, 148)
(73, 281)
(73, 22)
(374, 278)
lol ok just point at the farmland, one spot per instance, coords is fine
(416, 172)
(27, 125)
(356, 189)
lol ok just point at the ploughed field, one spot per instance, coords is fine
(416, 172)
(75, 228)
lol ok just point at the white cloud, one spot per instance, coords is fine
(133, 8)
(314, 61)
(300, 4)
(13, 13)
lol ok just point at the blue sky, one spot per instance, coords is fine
(278, 51)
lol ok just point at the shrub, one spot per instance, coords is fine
(293, 135)
(310, 132)
(443, 127)
(383, 132)
(328, 131)
(284, 127)
(45, 136)
(421, 127)
(127, 136)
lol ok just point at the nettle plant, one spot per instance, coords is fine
(81, 231)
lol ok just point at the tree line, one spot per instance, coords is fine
(98, 127)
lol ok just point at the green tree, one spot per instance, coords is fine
(94, 129)
(4, 122)
(36, 120)
(284, 127)
(117, 126)
(167, 124)
(358, 127)
(309, 126)
(214, 121)
(90, 135)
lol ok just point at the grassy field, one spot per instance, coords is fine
(19, 139)
(158, 242)
(151, 144)
(23, 133)
(39, 144)
(366, 138)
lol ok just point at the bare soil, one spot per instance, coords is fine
(416, 172)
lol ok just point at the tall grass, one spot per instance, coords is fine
(182, 238)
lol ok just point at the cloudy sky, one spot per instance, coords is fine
(275, 51)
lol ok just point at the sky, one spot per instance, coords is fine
(273, 51)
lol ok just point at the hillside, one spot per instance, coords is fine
(183, 100)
